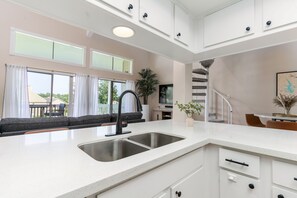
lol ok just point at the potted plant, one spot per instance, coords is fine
(285, 101)
(190, 109)
(145, 86)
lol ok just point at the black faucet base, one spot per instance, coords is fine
(125, 132)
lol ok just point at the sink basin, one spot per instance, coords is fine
(155, 140)
(111, 150)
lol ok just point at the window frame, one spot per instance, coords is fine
(51, 74)
(112, 55)
(13, 44)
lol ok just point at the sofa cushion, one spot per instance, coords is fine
(127, 116)
(96, 119)
(23, 124)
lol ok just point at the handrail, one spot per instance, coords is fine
(228, 103)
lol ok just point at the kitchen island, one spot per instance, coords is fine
(52, 165)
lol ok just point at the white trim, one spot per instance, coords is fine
(13, 53)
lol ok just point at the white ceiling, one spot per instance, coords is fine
(199, 8)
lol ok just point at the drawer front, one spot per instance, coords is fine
(239, 186)
(282, 193)
(240, 162)
(284, 174)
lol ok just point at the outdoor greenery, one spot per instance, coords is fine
(147, 84)
(285, 101)
(190, 108)
(63, 97)
(103, 92)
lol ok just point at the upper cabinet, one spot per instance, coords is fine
(277, 13)
(157, 14)
(230, 23)
(126, 6)
(182, 30)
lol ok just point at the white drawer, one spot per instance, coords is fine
(238, 186)
(240, 162)
(284, 174)
(282, 193)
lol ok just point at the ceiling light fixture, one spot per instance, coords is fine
(123, 32)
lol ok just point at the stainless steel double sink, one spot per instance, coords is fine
(116, 149)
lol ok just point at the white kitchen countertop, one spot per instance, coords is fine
(51, 164)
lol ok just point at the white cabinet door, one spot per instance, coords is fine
(193, 185)
(230, 23)
(126, 6)
(182, 30)
(164, 194)
(157, 14)
(282, 193)
(233, 185)
(278, 13)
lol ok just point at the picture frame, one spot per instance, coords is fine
(286, 83)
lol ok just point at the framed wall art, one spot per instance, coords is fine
(286, 83)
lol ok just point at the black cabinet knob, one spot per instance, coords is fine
(130, 7)
(251, 186)
(268, 23)
(145, 15)
(178, 193)
(280, 196)
(178, 35)
(248, 29)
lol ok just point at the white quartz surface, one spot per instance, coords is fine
(52, 165)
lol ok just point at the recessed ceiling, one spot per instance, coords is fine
(199, 8)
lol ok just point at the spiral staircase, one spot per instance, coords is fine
(217, 107)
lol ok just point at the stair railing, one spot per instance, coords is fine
(224, 101)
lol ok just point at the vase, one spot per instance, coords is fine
(189, 122)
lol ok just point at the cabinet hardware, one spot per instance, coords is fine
(178, 193)
(178, 35)
(145, 15)
(130, 7)
(248, 29)
(251, 186)
(280, 196)
(268, 23)
(235, 162)
(295, 178)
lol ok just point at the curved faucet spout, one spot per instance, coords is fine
(119, 127)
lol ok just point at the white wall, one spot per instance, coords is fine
(250, 79)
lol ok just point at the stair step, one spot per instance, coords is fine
(200, 71)
(216, 120)
(199, 79)
(198, 94)
(199, 87)
(199, 101)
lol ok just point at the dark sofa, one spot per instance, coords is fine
(19, 126)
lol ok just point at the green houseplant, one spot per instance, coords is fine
(190, 109)
(147, 84)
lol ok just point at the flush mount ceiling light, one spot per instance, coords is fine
(123, 32)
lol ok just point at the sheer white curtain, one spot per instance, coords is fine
(93, 96)
(85, 96)
(80, 104)
(129, 98)
(16, 97)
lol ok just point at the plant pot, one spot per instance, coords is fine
(146, 112)
(189, 122)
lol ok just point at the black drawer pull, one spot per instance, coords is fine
(178, 193)
(145, 15)
(295, 178)
(130, 7)
(235, 162)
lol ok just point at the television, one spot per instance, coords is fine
(166, 94)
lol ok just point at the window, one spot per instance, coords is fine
(49, 94)
(25, 44)
(108, 62)
(109, 93)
